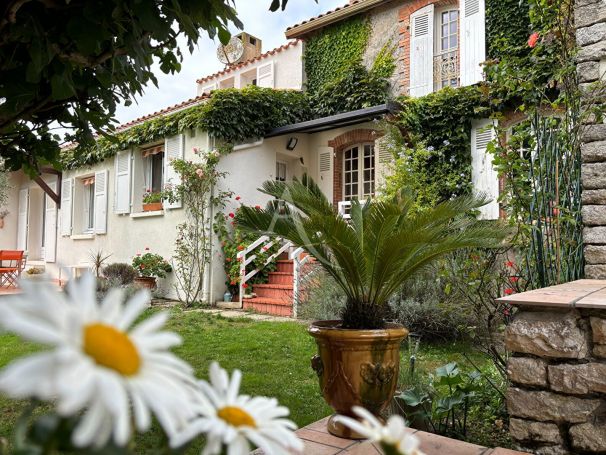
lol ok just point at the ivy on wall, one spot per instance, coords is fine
(330, 54)
(507, 26)
(230, 115)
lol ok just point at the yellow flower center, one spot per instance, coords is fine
(236, 417)
(111, 348)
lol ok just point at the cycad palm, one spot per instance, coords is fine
(383, 244)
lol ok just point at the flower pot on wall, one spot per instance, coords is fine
(152, 207)
(148, 282)
(356, 368)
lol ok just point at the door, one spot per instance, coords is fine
(23, 218)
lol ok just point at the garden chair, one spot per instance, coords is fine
(11, 266)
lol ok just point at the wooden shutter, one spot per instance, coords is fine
(473, 40)
(173, 150)
(265, 75)
(50, 227)
(484, 177)
(325, 171)
(122, 184)
(421, 51)
(67, 188)
(22, 220)
(101, 201)
(383, 163)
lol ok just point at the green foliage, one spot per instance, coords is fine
(122, 274)
(371, 255)
(263, 109)
(331, 54)
(507, 26)
(151, 265)
(152, 197)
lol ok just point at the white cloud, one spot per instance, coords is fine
(258, 21)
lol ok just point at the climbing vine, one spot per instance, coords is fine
(507, 27)
(330, 54)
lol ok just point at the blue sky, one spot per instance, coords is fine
(258, 21)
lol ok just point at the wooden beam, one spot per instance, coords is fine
(47, 189)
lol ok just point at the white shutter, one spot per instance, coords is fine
(173, 150)
(383, 163)
(122, 184)
(484, 177)
(473, 41)
(421, 51)
(22, 219)
(325, 171)
(265, 75)
(101, 201)
(50, 227)
(67, 188)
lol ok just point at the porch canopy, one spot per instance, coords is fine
(336, 121)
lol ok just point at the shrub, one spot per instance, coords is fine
(319, 297)
(151, 265)
(119, 272)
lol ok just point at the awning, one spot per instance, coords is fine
(336, 121)
(153, 150)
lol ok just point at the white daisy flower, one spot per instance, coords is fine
(99, 364)
(237, 421)
(393, 437)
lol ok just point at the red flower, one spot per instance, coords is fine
(509, 291)
(233, 283)
(141, 266)
(233, 224)
(238, 198)
(514, 279)
(258, 207)
(245, 285)
(506, 311)
(231, 215)
(240, 247)
(227, 259)
(509, 264)
(533, 39)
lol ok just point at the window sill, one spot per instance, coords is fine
(147, 214)
(82, 237)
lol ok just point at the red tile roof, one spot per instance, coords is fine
(249, 61)
(327, 13)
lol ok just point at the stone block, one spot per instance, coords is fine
(595, 272)
(594, 152)
(593, 52)
(591, 34)
(595, 254)
(593, 176)
(578, 379)
(551, 450)
(528, 430)
(593, 133)
(599, 350)
(594, 215)
(527, 371)
(550, 407)
(589, 437)
(588, 71)
(594, 236)
(545, 334)
(598, 329)
(589, 14)
(594, 197)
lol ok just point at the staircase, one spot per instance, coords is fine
(276, 296)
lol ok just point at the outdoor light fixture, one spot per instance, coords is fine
(292, 143)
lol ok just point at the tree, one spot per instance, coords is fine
(68, 63)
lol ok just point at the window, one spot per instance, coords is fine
(154, 174)
(446, 60)
(280, 171)
(359, 172)
(88, 202)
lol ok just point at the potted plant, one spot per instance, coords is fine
(149, 267)
(369, 256)
(152, 201)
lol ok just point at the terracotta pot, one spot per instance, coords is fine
(152, 207)
(356, 368)
(148, 282)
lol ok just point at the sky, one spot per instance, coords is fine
(258, 21)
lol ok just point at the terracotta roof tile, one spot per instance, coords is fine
(249, 61)
(327, 13)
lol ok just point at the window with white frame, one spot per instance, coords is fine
(154, 172)
(280, 171)
(359, 172)
(88, 204)
(446, 60)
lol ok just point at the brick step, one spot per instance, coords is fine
(284, 265)
(274, 291)
(280, 278)
(275, 307)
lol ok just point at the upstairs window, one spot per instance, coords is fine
(88, 202)
(446, 60)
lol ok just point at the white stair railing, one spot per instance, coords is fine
(298, 264)
(247, 255)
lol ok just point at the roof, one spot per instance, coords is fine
(249, 61)
(330, 17)
(167, 110)
(336, 121)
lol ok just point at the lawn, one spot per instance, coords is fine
(273, 356)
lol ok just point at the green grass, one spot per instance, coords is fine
(273, 356)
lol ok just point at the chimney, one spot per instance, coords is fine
(252, 46)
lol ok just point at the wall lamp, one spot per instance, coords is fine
(292, 143)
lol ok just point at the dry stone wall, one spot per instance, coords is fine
(557, 398)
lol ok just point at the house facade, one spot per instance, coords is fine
(436, 44)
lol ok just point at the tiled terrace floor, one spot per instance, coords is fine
(319, 442)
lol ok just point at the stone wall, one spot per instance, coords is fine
(557, 397)
(590, 20)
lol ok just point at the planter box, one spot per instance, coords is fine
(148, 282)
(152, 207)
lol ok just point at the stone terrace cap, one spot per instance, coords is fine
(576, 294)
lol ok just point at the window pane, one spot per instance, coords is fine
(354, 165)
(157, 168)
(453, 27)
(367, 188)
(453, 41)
(444, 17)
(444, 44)
(366, 176)
(445, 30)
(347, 166)
(454, 15)
(366, 162)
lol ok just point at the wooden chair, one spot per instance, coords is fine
(11, 266)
